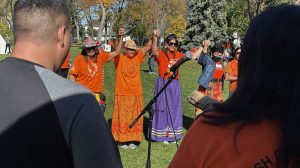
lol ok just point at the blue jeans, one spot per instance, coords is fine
(151, 64)
(208, 69)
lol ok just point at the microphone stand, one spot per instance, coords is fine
(151, 112)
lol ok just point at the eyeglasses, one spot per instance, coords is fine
(172, 44)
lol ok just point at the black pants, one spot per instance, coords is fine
(7, 48)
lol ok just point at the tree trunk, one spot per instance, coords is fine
(112, 23)
(114, 19)
(102, 22)
(106, 40)
(77, 30)
(249, 12)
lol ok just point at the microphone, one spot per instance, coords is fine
(188, 56)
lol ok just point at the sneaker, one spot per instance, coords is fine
(124, 146)
(166, 142)
(132, 146)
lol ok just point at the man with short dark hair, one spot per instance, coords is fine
(46, 120)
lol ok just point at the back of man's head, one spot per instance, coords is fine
(38, 20)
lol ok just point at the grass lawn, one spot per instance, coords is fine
(161, 154)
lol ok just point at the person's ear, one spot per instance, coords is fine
(61, 36)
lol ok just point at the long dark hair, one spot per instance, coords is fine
(235, 51)
(268, 79)
(95, 57)
(169, 38)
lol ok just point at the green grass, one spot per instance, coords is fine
(2, 56)
(161, 154)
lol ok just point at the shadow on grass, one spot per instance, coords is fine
(145, 70)
(145, 128)
(109, 121)
(187, 122)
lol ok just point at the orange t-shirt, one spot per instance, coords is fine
(164, 64)
(90, 73)
(128, 76)
(66, 64)
(219, 71)
(212, 146)
(232, 69)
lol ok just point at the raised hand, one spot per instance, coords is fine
(206, 43)
(156, 33)
(121, 31)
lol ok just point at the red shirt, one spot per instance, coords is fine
(213, 146)
(164, 63)
(219, 71)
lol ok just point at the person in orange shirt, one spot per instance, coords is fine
(232, 71)
(128, 101)
(257, 126)
(88, 67)
(64, 68)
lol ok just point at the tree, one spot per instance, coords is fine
(141, 17)
(241, 12)
(177, 25)
(75, 10)
(6, 12)
(176, 14)
(206, 20)
(254, 7)
(91, 8)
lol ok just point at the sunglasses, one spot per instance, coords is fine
(172, 44)
(91, 48)
(131, 49)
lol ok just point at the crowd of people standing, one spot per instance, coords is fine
(48, 119)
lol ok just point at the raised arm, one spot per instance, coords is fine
(147, 47)
(154, 49)
(202, 48)
(119, 44)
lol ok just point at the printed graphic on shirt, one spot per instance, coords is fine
(92, 68)
(130, 69)
(266, 161)
(172, 62)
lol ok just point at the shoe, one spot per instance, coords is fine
(166, 142)
(124, 146)
(132, 146)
